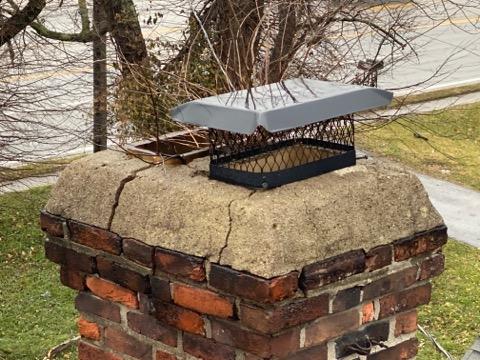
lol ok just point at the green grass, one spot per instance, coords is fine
(416, 98)
(453, 315)
(36, 311)
(445, 145)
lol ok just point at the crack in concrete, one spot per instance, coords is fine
(230, 221)
(119, 191)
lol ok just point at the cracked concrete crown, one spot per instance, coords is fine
(267, 233)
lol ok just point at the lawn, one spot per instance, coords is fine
(36, 311)
(445, 145)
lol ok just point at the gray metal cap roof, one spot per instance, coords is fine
(280, 106)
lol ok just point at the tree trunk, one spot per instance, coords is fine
(99, 78)
(20, 20)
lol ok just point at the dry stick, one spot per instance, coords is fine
(232, 88)
(435, 342)
(53, 352)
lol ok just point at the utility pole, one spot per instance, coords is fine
(99, 77)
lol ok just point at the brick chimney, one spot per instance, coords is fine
(169, 264)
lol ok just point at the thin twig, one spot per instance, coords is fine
(435, 342)
(53, 352)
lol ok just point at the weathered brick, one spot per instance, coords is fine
(95, 237)
(150, 327)
(126, 344)
(420, 243)
(233, 335)
(145, 304)
(203, 348)
(346, 299)
(71, 278)
(393, 282)
(368, 312)
(177, 263)
(70, 258)
(359, 342)
(138, 251)
(162, 355)
(403, 351)
(405, 300)
(179, 317)
(111, 291)
(230, 333)
(314, 353)
(202, 300)
(51, 224)
(285, 344)
(406, 323)
(253, 287)
(329, 327)
(277, 318)
(122, 275)
(88, 329)
(432, 267)
(332, 269)
(90, 352)
(378, 257)
(160, 289)
(88, 303)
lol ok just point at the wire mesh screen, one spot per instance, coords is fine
(264, 152)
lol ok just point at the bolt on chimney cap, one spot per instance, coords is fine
(280, 106)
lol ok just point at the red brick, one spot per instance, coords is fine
(331, 326)
(202, 300)
(232, 334)
(390, 283)
(126, 344)
(405, 300)
(160, 288)
(148, 326)
(406, 323)
(138, 251)
(179, 317)
(51, 224)
(314, 353)
(95, 237)
(404, 351)
(90, 352)
(122, 275)
(420, 243)
(277, 318)
(145, 304)
(253, 287)
(111, 291)
(73, 279)
(379, 257)
(162, 355)
(85, 302)
(432, 267)
(206, 349)
(88, 329)
(368, 312)
(346, 299)
(332, 269)
(69, 258)
(176, 263)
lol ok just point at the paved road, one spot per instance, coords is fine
(459, 206)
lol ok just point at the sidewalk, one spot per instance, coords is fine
(459, 206)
